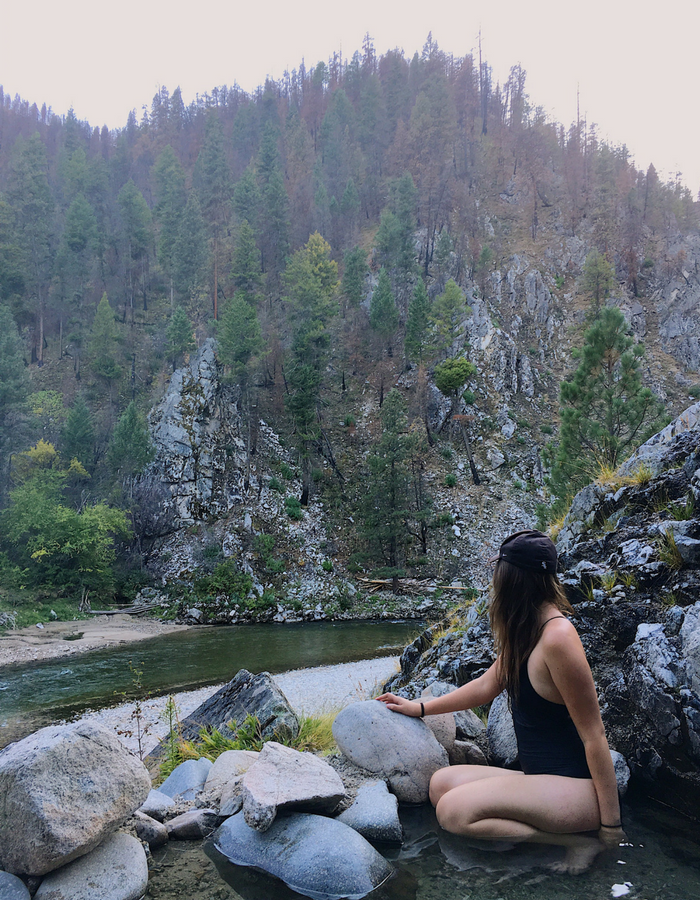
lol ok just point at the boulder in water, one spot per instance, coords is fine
(374, 814)
(314, 855)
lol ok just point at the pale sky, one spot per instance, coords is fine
(635, 64)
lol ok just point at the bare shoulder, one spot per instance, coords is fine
(560, 638)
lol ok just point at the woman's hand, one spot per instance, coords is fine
(611, 838)
(401, 705)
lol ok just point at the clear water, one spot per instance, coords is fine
(662, 862)
(36, 694)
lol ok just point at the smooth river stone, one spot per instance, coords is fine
(116, 870)
(374, 814)
(12, 888)
(400, 748)
(187, 780)
(314, 855)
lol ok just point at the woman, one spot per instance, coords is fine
(568, 784)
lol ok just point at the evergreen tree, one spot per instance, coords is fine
(598, 278)
(130, 449)
(179, 335)
(417, 321)
(239, 337)
(448, 317)
(14, 386)
(354, 276)
(78, 434)
(386, 502)
(246, 271)
(103, 342)
(190, 251)
(605, 409)
(170, 205)
(137, 238)
(247, 200)
(212, 179)
(383, 314)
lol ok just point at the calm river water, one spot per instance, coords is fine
(35, 694)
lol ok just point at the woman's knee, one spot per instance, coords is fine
(440, 783)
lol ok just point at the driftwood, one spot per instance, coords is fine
(409, 585)
(129, 610)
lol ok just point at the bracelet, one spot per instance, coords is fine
(422, 710)
(611, 826)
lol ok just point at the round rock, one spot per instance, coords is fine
(12, 888)
(374, 814)
(314, 855)
(400, 748)
(116, 870)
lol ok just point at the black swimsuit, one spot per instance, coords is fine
(548, 743)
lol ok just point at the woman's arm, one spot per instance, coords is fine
(475, 693)
(565, 658)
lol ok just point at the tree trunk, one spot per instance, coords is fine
(472, 464)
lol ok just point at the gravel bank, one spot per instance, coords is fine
(309, 691)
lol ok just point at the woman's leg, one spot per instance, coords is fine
(504, 805)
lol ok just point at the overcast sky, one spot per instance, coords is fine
(635, 65)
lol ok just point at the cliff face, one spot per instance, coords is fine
(630, 560)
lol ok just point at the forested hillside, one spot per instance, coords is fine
(396, 257)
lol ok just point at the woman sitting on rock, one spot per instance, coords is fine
(568, 784)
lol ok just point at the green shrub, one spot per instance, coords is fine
(469, 398)
(694, 391)
(446, 452)
(349, 421)
(327, 565)
(450, 480)
(275, 485)
(546, 429)
(293, 508)
(287, 472)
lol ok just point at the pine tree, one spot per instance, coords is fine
(598, 278)
(170, 205)
(605, 409)
(246, 272)
(179, 335)
(239, 337)
(14, 386)
(130, 449)
(78, 434)
(191, 251)
(354, 276)
(417, 321)
(103, 342)
(137, 236)
(383, 314)
(449, 317)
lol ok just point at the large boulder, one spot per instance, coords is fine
(399, 748)
(63, 790)
(245, 695)
(374, 814)
(314, 855)
(228, 769)
(282, 778)
(116, 870)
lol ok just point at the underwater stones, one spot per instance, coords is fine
(187, 780)
(314, 855)
(281, 778)
(400, 748)
(64, 788)
(116, 870)
(374, 814)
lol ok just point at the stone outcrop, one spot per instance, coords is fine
(283, 778)
(244, 695)
(322, 857)
(399, 748)
(64, 789)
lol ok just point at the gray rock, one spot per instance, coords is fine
(443, 726)
(64, 788)
(634, 553)
(581, 516)
(244, 695)
(153, 832)
(468, 724)
(467, 753)
(116, 870)
(228, 768)
(193, 825)
(157, 805)
(314, 855)
(652, 454)
(401, 749)
(13, 888)
(187, 780)
(374, 814)
(622, 772)
(689, 548)
(503, 744)
(283, 778)
(690, 643)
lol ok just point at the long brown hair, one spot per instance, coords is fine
(517, 597)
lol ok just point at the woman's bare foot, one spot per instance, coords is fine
(580, 853)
